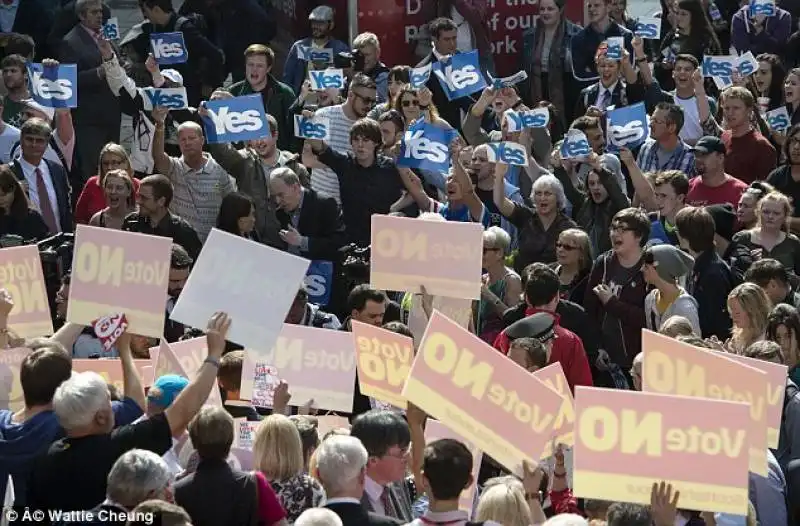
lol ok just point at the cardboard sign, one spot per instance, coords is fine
(54, 87)
(460, 75)
(673, 367)
(778, 119)
(519, 120)
(507, 82)
(384, 361)
(169, 48)
(626, 440)
(457, 309)
(166, 362)
(426, 147)
(322, 56)
(120, 272)
(627, 127)
(564, 427)
(237, 119)
(236, 285)
(326, 79)
(265, 381)
(111, 29)
(435, 430)
(11, 396)
(575, 145)
(328, 423)
(615, 45)
(111, 370)
(776, 390)
(762, 7)
(648, 28)
(445, 257)
(418, 77)
(21, 274)
(319, 281)
(479, 393)
(507, 153)
(318, 364)
(172, 98)
(312, 128)
(186, 358)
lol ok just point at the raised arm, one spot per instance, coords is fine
(641, 186)
(160, 157)
(471, 199)
(503, 203)
(131, 381)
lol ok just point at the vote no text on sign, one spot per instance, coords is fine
(183, 358)
(120, 272)
(672, 367)
(21, 274)
(445, 257)
(564, 427)
(237, 285)
(384, 361)
(482, 395)
(318, 364)
(626, 440)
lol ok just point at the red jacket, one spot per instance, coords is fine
(567, 350)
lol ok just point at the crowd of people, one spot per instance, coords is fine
(693, 234)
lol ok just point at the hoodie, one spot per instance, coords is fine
(21, 443)
(684, 305)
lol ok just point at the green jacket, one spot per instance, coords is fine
(277, 98)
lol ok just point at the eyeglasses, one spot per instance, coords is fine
(620, 228)
(367, 100)
(566, 247)
(408, 103)
(400, 455)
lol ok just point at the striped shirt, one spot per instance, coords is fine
(653, 159)
(323, 180)
(198, 193)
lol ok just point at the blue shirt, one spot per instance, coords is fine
(461, 214)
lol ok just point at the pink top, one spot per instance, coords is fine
(270, 510)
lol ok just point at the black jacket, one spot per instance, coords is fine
(353, 514)
(235, 493)
(321, 221)
(710, 283)
(448, 110)
(171, 226)
(62, 188)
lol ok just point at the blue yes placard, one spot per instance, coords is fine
(575, 145)
(426, 147)
(460, 75)
(318, 282)
(627, 127)
(169, 48)
(236, 119)
(54, 87)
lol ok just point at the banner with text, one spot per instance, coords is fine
(479, 393)
(120, 272)
(673, 367)
(21, 274)
(384, 360)
(111, 370)
(626, 440)
(445, 257)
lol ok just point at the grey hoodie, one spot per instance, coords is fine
(684, 305)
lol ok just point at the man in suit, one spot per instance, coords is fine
(28, 17)
(444, 34)
(387, 438)
(45, 181)
(97, 117)
(342, 466)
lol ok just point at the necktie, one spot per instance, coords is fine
(45, 207)
(605, 99)
(388, 509)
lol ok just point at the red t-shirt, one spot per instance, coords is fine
(750, 157)
(701, 194)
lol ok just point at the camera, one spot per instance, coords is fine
(352, 59)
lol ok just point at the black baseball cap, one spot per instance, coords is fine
(710, 144)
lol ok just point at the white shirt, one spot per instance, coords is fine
(33, 191)
(374, 492)
(600, 94)
(692, 129)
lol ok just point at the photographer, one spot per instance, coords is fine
(366, 59)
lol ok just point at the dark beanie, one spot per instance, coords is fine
(724, 219)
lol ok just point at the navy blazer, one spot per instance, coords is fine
(62, 188)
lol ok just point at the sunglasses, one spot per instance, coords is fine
(408, 103)
(566, 247)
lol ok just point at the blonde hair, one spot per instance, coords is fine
(580, 238)
(366, 39)
(779, 198)
(675, 326)
(126, 178)
(505, 504)
(755, 302)
(113, 149)
(277, 448)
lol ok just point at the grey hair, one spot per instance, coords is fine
(77, 400)
(81, 6)
(550, 182)
(285, 175)
(318, 517)
(136, 476)
(36, 127)
(431, 216)
(340, 459)
(366, 39)
(190, 125)
(496, 237)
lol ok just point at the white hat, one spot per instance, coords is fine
(173, 75)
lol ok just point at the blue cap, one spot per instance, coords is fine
(166, 389)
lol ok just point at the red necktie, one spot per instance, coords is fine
(45, 207)
(386, 501)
